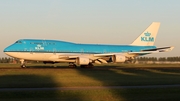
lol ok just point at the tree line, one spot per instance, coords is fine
(139, 59)
(13, 60)
(160, 59)
(6, 60)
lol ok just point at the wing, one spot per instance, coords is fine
(142, 52)
(105, 57)
(131, 55)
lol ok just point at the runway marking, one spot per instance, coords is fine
(88, 88)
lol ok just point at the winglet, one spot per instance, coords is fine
(148, 37)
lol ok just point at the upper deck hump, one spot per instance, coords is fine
(44, 41)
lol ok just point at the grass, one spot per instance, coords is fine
(95, 95)
(39, 77)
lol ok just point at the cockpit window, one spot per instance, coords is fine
(20, 42)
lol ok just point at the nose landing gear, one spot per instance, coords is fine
(23, 65)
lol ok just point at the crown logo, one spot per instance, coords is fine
(39, 47)
(147, 34)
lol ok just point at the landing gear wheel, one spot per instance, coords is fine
(83, 66)
(22, 63)
(23, 66)
(90, 65)
(72, 65)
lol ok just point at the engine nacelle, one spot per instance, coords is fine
(82, 61)
(118, 58)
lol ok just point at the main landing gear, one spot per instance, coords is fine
(72, 65)
(90, 65)
(23, 65)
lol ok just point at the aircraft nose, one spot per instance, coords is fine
(7, 49)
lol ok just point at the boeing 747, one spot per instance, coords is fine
(85, 55)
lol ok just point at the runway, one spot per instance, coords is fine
(88, 88)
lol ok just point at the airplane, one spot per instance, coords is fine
(85, 55)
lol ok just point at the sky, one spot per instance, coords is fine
(90, 21)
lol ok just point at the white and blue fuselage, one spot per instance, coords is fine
(44, 49)
(85, 54)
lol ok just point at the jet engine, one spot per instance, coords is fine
(82, 61)
(118, 58)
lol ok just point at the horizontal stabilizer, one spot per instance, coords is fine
(163, 49)
(150, 51)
